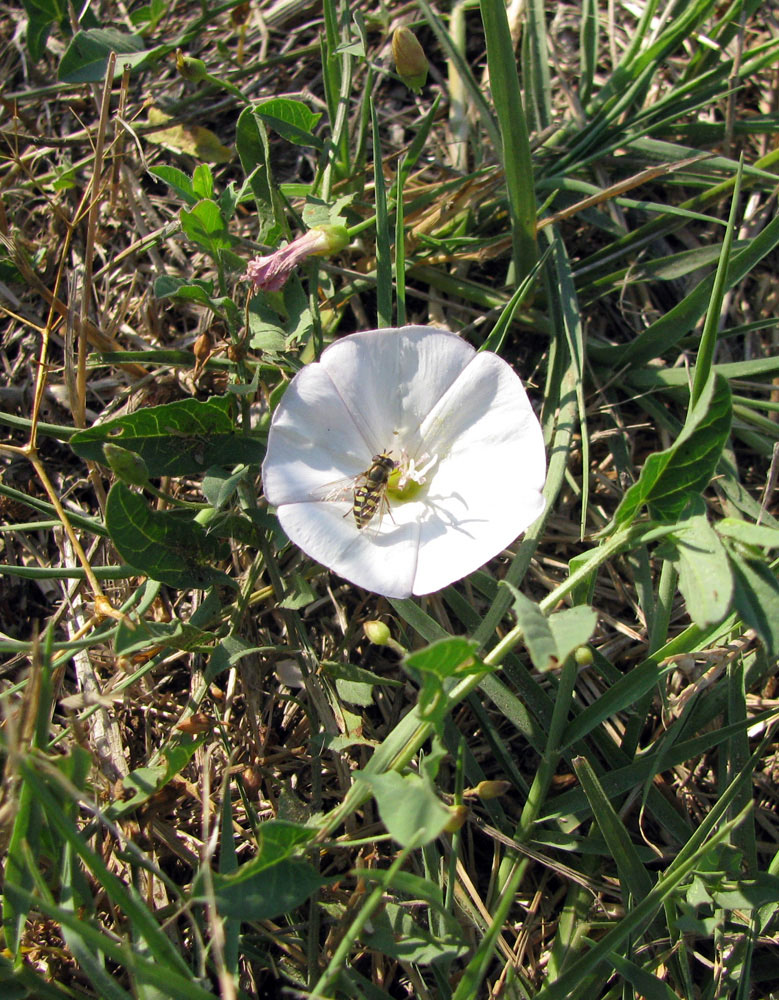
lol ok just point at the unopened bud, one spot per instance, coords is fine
(239, 14)
(193, 70)
(459, 814)
(410, 59)
(486, 790)
(583, 656)
(252, 780)
(127, 466)
(202, 348)
(377, 632)
(197, 723)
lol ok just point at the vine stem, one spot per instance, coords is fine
(402, 744)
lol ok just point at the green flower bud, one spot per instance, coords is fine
(583, 656)
(193, 70)
(377, 632)
(127, 465)
(410, 59)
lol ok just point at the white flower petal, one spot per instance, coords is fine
(313, 441)
(487, 486)
(390, 379)
(379, 558)
(487, 405)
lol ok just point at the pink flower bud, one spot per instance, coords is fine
(269, 273)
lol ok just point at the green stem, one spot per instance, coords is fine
(338, 961)
(397, 751)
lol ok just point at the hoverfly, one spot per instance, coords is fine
(370, 489)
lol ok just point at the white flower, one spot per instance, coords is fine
(468, 451)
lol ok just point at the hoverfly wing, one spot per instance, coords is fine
(336, 490)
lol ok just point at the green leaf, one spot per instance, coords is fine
(169, 635)
(26, 830)
(550, 640)
(205, 226)
(355, 685)
(194, 140)
(178, 181)
(200, 292)
(671, 478)
(27, 817)
(146, 781)
(168, 286)
(571, 628)
(515, 141)
(748, 894)
(251, 141)
(86, 59)
(705, 579)
(354, 692)
(42, 15)
(175, 439)
(257, 891)
(634, 878)
(278, 839)
(383, 242)
(228, 652)
(760, 535)
(756, 596)
(536, 632)
(707, 344)
(203, 182)
(408, 805)
(163, 545)
(292, 120)
(394, 932)
(219, 486)
(266, 332)
(149, 15)
(648, 985)
(298, 593)
(453, 657)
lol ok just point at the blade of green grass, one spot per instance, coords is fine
(564, 308)
(383, 243)
(494, 341)
(588, 49)
(126, 899)
(666, 332)
(705, 359)
(455, 57)
(538, 84)
(633, 876)
(515, 141)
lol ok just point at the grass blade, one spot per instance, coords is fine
(515, 141)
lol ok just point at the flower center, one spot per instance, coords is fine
(407, 480)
